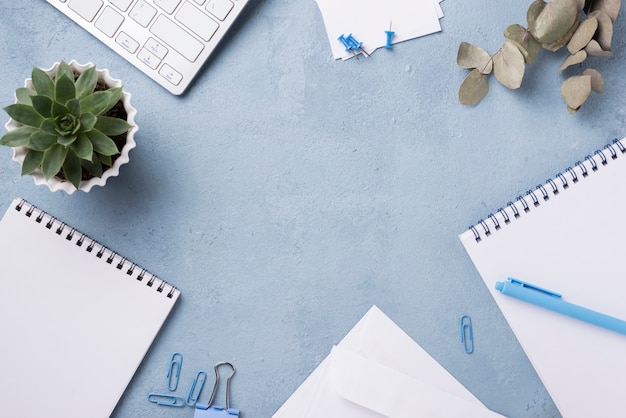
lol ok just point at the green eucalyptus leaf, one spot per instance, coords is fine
(24, 114)
(610, 7)
(604, 34)
(72, 168)
(102, 144)
(64, 69)
(82, 147)
(471, 56)
(42, 82)
(111, 126)
(595, 50)
(584, 33)
(574, 59)
(41, 141)
(31, 162)
(575, 90)
(53, 159)
(94, 166)
(23, 95)
(554, 20)
(86, 82)
(509, 66)
(521, 37)
(64, 89)
(18, 137)
(562, 41)
(597, 81)
(474, 88)
(43, 105)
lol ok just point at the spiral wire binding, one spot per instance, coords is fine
(62, 226)
(540, 194)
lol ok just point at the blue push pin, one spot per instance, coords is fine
(390, 34)
(351, 44)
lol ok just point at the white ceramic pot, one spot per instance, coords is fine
(56, 183)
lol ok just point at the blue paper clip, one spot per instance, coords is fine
(211, 411)
(165, 399)
(467, 335)
(173, 371)
(196, 388)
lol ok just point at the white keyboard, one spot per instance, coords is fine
(169, 40)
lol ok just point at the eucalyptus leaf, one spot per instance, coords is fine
(574, 59)
(597, 81)
(521, 37)
(595, 50)
(610, 7)
(575, 90)
(604, 34)
(509, 66)
(559, 43)
(584, 33)
(471, 56)
(533, 12)
(554, 20)
(474, 88)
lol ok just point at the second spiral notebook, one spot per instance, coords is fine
(566, 235)
(76, 318)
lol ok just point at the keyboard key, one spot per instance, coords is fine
(87, 9)
(127, 42)
(199, 23)
(121, 4)
(143, 13)
(199, 2)
(149, 58)
(168, 6)
(156, 48)
(219, 8)
(176, 37)
(170, 74)
(109, 21)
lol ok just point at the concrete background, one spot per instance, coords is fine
(286, 192)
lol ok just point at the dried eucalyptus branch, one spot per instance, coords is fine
(585, 27)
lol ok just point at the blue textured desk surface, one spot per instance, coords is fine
(287, 192)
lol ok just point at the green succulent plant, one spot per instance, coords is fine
(64, 124)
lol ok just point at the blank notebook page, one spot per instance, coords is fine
(75, 321)
(570, 240)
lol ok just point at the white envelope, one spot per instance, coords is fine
(378, 371)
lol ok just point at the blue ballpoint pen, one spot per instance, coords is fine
(553, 301)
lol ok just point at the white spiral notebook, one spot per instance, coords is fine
(76, 319)
(566, 235)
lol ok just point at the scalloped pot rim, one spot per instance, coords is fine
(55, 183)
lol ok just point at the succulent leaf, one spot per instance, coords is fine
(111, 126)
(64, 89)
(23, 95)
(42, 82)
(82, 147)
(52, 160)
(102, 144)
(18, 137)
(94, 167)
(32, 161)
(64, 69)
(86, 82)
(72, 168)
(96, 103)
(24, 114)
(43, 105)
(41, 141)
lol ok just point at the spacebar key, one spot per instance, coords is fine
(176, 37)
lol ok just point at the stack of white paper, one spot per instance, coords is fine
(367, 21)
(376, 371)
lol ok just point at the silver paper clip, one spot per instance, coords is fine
(467, 334)
(173, 371)
(165, 399)
(209, 410)
(196, 388)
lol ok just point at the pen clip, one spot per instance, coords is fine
(533, 287)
